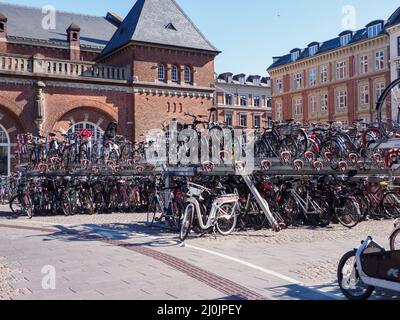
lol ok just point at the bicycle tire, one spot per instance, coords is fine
(396, 205)
(187, 221)
(354, 215)
(395, 237)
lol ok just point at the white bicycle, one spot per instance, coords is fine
(209, 210)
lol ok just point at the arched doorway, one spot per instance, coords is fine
(5, 147)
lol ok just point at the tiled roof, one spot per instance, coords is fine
(25, 23)
(160, 22)
(326, 46)
(394, 19)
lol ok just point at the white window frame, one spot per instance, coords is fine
(240, 120)
(364, 94)
(226, 99)
(7, 145)
(97, 134)
(279, 111)
(298, 106)
(174, 73)
(257, 115)
(295, 55)
(380, 86)
(313, 104)
(187, 74)
(380, 60)
(364, 64)
(245, 99)
(324, 101)
(259, 101)
(298, 81)
(345, 39)
(313, 50)
(312, 75)
(279, 86)
(226, 117)
(161, 72)
(341, 70)
(341, 100)
(323, 73)
(374, 30)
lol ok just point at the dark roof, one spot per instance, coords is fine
(372, 23)
(147, 22)
(394, 19)
(25, 24)
(326, 46)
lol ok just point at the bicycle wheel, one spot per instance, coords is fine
(332, 147)
(187, 221)
(15, 206)
(28, 207)
(348, 213)
(290, 210)
(395, 240)
(66, 205)
(391, 98)
(152, 211)
(391, 205)
(226, 220)
(349, 279)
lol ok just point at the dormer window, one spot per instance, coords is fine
(229, 79)
(295, 55)
(242, 80)
(170, 26)
(256, 81)
(313, 50)
(345, 39)
(374, 30)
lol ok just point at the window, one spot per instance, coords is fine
(313, 50)
(323, 74)
(379, 88)
(4, 152)
(91, 127)
(242, 80)
(364, 94)
(257, 121)
(374, 30)
(295, 55)
(341, 100)
(243, 120)
(298, 107)
(363, 64)
(398, 46)
(228, 99)
(170, 26)
(229, 119)
(341, 70)
(279, 111)
(243, 101)
(2, 27)
(188, 75)
(313, 77)
(74, 36)
(175, 74)
(313, 105)
(297, 81)
(279, 86)
(256, 81)
(379, 60)
(324, 102)
(161, 72)
(256, 101)
(345, 39)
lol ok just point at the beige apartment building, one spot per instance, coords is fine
(340, 79)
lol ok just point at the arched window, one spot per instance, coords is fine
(4, 152)
(175, 75)
(91, 127)
(169, 107)
(161, 72)
(188, 75)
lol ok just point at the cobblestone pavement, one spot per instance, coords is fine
(118, 257)
(10, 274)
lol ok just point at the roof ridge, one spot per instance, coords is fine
(58, 11)
(193, 24)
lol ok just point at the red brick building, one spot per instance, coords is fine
(63, 71)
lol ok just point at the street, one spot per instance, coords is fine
(118, 257)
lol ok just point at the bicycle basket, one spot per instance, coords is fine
(285, 131)
(195, 190)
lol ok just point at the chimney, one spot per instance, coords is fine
(74, 39)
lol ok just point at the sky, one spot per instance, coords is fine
(249, 33)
